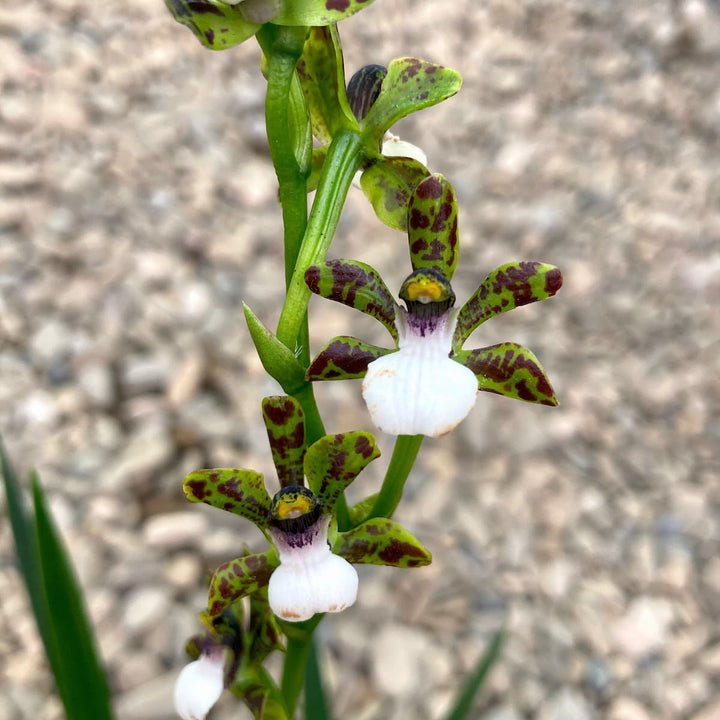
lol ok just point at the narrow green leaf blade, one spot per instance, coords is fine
(334, 461)
(507, 287)
(388, 183)
(240, 577)
(23, 529)
(316, 705)
(511, 370)
(411, 84)
(356, 285)
(236, 490)
(285, 423)
(463, 705)
(76, 664)
(380, 541)
(344, 358)
(433, 226)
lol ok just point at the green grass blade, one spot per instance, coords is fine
(71, 648)
(23, 530)
(316, 707)
(464, 702)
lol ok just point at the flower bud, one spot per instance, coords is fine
(364, 88)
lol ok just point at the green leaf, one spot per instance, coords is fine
(334, 461)
(23, 529)
(356, 285)
(388, 183)
(410, 85)
(463, 705)
(433, 226)
(285, 425)
(344, 358)
(238, 491)
(505, 288)
(318, 12)
(72, 651)
(322, 79)
(300, 128)
(216, 25)
(509, 369)
(316, 705)
(380, 541)
(278, 361)
(240, 577)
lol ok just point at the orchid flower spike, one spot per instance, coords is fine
(427, 383)
(308, 568)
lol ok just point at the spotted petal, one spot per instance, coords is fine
(356, 285)
(285, 425)
(410, 85)
(505, 288)
(433, 226)
(334, 461)
(509, 369)
(236, 490)
(344, 358)
(388, 184)
(240, 577)
(380, 541)
(216, 25)
(318, 12)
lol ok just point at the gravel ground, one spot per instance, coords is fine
(137, 211)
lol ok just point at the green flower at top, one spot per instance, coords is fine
(308, 569)
(220, 25)
(427, 384)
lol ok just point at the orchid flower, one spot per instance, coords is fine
(307, 570)
(427, 383)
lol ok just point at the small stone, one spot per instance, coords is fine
(627, 709)
(173, 531)
(644, 627)
(397, 660)
(566, 704)
(144, 607)
(502, 712)
(184, 571)
(96, 381)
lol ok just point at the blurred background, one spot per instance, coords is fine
(138, 211)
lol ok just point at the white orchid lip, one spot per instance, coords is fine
(199, 685)
(420, 390)
(309, 579)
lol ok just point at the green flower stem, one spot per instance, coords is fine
(283, 47)
(299, 639)
(340, 165)
(401, 463)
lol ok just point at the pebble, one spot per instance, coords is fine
(624, 708)
(144, 607)
(645, 627)
(566, 704)
(174, 531)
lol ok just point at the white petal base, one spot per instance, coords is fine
(199, 686)
(311, 579)
(411, 392)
